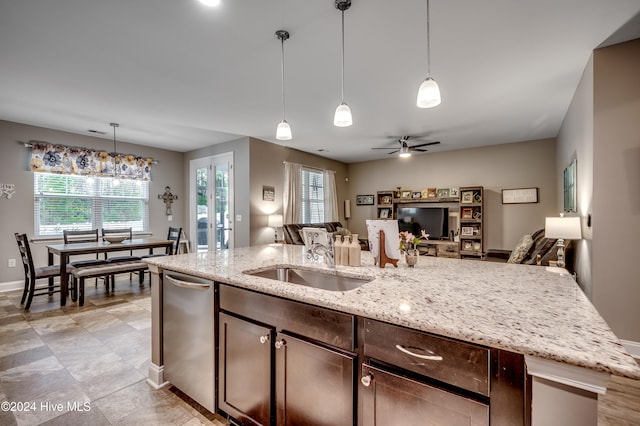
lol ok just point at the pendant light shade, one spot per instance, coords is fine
(342, 117)
(210, 2)
(429, 92)
(283, 132)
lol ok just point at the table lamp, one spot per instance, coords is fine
(275, 221)
(562, 228)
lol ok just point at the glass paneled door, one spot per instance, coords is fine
(211, 201)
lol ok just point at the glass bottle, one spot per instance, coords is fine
(354, 251)
(338, 248)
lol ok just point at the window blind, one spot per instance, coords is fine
(312, 196)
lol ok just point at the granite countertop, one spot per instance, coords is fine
(531, 310)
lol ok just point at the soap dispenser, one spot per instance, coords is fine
(354, 251)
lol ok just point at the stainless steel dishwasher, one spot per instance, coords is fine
(188, 336)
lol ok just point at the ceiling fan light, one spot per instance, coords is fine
(428, 94)
(342, 118)
(404, 152)
(283, 131)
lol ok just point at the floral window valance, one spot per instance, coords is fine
(50, 158)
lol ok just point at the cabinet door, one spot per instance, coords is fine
(314, 385)
(389, 399)
(244, 389)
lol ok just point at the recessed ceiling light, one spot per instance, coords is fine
(210, 2)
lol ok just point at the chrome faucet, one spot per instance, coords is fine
(328, 251)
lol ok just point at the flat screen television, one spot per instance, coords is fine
(434, 221)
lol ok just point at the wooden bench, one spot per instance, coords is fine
(83, 273)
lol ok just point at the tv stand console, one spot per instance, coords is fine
(439, 248)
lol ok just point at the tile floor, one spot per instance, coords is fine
(88, 366)
(85, 366)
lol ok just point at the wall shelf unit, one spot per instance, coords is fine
(471, 222)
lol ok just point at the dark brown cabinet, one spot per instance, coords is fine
(269, 375)
(391, 399)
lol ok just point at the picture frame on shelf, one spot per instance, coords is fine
(443, 192)
(466, 197)
(476, 230)
(466, 231)
(364, 200)
(454, 192)
(385, 199)
(425, 193)
(467, 213)
(384, 213)
(406, 193)
(477, 215)
(416, 194)
(467, 245)
(477, 246)
(432, 193)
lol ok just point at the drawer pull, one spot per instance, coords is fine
(264, 339)
(366, 380)
(280, 343)
(433, 357)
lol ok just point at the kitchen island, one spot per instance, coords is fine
(538, 312)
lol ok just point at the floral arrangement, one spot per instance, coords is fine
(410, 241)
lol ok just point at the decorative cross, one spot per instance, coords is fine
(168, 198)
(8, 189)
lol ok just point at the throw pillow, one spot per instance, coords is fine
(521, 249)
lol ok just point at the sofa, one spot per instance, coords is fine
(292, 234)
(532, 249)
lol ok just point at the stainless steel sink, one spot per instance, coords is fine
(311, 278)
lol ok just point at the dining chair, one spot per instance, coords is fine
(32, 274)
(84, 236)
(173, 235)
(124, 233)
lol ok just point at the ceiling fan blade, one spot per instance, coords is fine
(385, 148)
(418, 149)
(393, 152)
(426, 144)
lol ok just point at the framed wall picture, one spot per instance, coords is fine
(569, 187)
(268, 193)
(364, 200)
(520, 196)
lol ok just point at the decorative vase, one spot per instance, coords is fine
(411, 257)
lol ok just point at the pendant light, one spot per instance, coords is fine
(211, 3)
(115, 181)
(429, 92)
(342, 117)
(283, 132)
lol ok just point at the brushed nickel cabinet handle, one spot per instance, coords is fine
(264, 339)
(366, 380)
(433, 357)
(280, 343)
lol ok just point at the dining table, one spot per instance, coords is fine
(65, 251)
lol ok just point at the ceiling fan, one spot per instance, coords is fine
(405, 149)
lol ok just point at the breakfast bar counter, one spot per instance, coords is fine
(539, 312)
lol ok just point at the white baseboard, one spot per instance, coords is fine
(632, 347)
(11, 285)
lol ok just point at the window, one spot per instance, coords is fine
(312, 200)
(81, 202)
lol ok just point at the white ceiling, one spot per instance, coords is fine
(181, 76)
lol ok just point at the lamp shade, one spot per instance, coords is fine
(567, 228)
(428, 94)
(342, 118)
(283, 132)
(274, 220)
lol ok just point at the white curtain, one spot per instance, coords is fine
(291, 193)
(330, 197)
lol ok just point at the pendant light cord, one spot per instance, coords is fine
(283, 104)
(342, 56)
(428, 44)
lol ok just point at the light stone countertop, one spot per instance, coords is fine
(531, 310)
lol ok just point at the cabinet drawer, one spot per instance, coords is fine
(324, 325)
(389, 399)
(457, 363)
